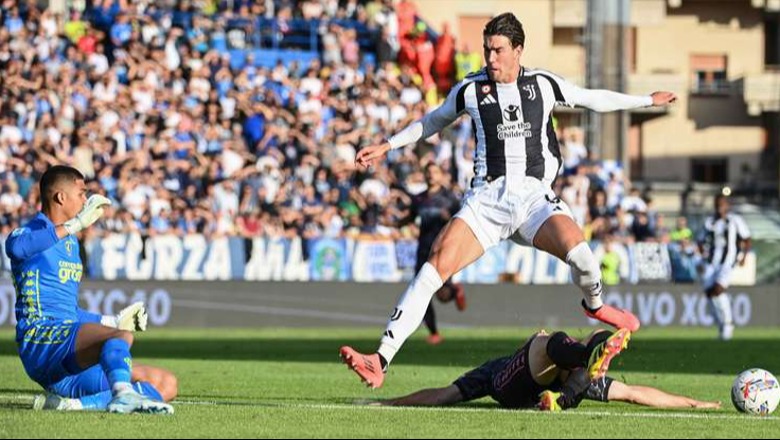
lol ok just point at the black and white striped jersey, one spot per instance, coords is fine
(722, 238)
(513, 122)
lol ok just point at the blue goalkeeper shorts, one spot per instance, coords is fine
(47, 349)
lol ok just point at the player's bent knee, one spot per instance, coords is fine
(125, 336)
(443, 264)
(585, 269)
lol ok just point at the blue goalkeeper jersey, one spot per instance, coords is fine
(47, 273)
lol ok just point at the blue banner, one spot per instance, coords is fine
(193, 257)
(406, 254)
(166, 257)
(375, 261)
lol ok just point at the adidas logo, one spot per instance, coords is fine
(369, 365)
(489, 99)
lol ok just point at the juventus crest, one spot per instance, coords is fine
(531, 90)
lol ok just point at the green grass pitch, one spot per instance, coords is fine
(290, 383)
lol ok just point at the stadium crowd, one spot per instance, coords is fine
(184, 141)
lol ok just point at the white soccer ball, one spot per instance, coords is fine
(756, 391)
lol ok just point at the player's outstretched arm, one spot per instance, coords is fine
(609, 101)
(25, 242)
(424, 128)
(372, 155)
(430, 397)
(653, 397)
(604, 100)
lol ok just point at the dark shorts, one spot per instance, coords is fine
(599, 390)
(507, 380)
(514, 386)
(478, 382)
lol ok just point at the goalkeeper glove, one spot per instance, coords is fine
(89, 214)
(132, 318)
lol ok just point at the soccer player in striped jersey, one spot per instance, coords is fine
(516, 162)
(724, 244)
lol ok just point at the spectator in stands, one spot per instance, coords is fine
(444, 63)
(574, 151)
(466, 61)
(610, 264)
(186, 139)
(642, 229)
(681, 233)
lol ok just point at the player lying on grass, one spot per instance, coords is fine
(553, 373)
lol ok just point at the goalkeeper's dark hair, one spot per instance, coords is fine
(55, 176)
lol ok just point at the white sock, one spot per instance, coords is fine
(75, 405)
(121, 387)
(720, 309)
(724, 304)
(586, 274)
(410, 311)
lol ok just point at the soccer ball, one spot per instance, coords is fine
(755, 391)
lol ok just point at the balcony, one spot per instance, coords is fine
(762, 93)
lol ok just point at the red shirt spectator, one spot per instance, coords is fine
(444, 65)
(88, 43)
(406, 12)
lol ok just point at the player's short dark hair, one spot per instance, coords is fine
(507, 25)
(55, 176)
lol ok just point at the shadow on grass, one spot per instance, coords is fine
(695, 356)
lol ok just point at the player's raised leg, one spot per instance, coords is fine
(456, 247)
(560, 236)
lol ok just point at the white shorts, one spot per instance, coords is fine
(494, 214)
(716, 274)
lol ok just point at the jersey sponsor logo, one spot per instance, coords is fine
(512, 113)
(18, 231)
(531, 90)
(70, 272)
(514, 130)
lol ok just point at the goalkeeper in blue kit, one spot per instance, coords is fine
(82, 360)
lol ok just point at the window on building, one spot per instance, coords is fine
(710, 170)
(709, 74)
